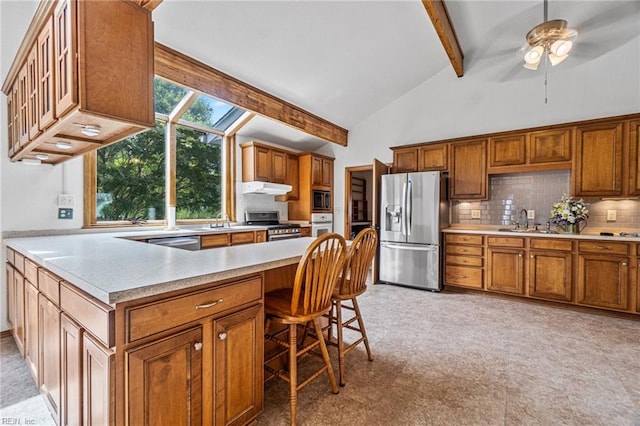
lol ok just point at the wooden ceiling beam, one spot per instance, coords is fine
(181, 69)
(437, 11)
(148, 4)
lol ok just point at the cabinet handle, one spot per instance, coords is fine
(463, 250)
(209, 305)
(519, 254)
(624, 263)
(462, 276)
(533, 256)
(222, 336)
(197, 346)
(603, 248)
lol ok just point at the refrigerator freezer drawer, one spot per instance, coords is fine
(411, 265)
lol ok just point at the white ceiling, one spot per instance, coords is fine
(344, 60)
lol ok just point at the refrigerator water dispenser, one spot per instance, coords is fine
(393, 218)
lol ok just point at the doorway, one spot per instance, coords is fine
(358, 199)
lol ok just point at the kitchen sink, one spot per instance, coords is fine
(527, 231)
(225, 229)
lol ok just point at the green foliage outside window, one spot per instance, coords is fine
(131, 173)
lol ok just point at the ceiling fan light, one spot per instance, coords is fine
(531, 67)
(533, 56)
(555, 59)
(561, 47)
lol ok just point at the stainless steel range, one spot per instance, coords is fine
(275, 230)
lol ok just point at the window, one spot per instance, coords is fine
(132, 180)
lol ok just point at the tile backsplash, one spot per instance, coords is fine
(510, 193)
(258, 202)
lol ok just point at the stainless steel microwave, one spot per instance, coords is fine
(321, 200)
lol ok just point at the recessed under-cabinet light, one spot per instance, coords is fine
(42, 157)
(63, 145)
(31, 161)
(90, 130)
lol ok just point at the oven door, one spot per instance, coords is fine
(280, 237)
(320, 228)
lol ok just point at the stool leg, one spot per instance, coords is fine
(293, 371)
(362, 330)
(331, 317)
(340, 342)
(325, 355)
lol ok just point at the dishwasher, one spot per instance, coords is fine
(185, 243)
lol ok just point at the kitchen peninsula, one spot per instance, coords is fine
(121, 322)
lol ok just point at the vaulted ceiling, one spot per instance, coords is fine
(344, 60)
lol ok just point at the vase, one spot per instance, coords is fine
(573, 228)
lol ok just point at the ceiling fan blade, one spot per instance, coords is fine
(618, 13)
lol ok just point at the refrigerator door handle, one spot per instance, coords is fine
(403, 225)
(413, 248)
(409, 205)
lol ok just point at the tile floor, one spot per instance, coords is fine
(447, 359)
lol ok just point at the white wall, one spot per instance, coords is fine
(447, 107)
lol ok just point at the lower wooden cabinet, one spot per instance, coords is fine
(71, 372)
(164, 381)
(97, 383)
(603, 281)
(551, 269)
(31, 343)
(464, 260)
(505, 270)
(238, 366)
(49, 357)
(18, 310)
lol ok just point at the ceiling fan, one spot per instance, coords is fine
(550, 39)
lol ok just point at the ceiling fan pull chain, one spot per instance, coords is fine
(546, 62)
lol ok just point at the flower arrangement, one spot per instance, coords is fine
(569, 210)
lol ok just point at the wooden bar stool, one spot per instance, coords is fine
(351, 284)
(310, 298)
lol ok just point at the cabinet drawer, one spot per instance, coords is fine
(18, 262)
(215, 240)
(155, 317)
(49, 285)
(466, 250)
(11, 256)
(242, 238)
(463, 260)
(506, 242)
(464, 239)
(31, 272)
(546, 244)
(464, 276)
(94, 316)
(603, 247)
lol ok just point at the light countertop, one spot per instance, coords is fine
(115, 269)
(587, 234)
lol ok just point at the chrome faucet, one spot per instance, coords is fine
(526, 218)
(225, 217)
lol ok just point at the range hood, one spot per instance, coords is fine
(268, 188)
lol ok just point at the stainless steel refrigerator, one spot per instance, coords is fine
(414, 208)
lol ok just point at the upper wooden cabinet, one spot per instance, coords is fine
(634, 158)
(530, 151)
(264, 163)
(469, 170)
(428, 157)
(83, 76)
(598, 163)
(321, 171)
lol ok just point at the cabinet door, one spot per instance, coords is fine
(278, 166)
(46, 99)
(550, 275)
(32, 92)
(238, 366)
(634, 158)
(23, 106)
(316, 171)
(433, 157)
(603, 281)
(164, 382)
(293, 167)
(31, 329)
(10, 128)
(469, 170)
(11, 296)
(262, 165)
(49, 357)
(405, 160)
(97, 380)
(550, 146)
(507, 150)
(71, 372)
(327, 172)
(505, 270)
(65, 66)
(18, 306)
(597, 170)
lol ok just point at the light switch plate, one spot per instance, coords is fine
(531, 214)
(66, 200)
(612, 215)
(65, 213)
(475, 214)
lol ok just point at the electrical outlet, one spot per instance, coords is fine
(66, 200)
(475, 214)
(612, 215)
(65, 213)
(531, 214)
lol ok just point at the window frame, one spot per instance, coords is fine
(172, 121)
